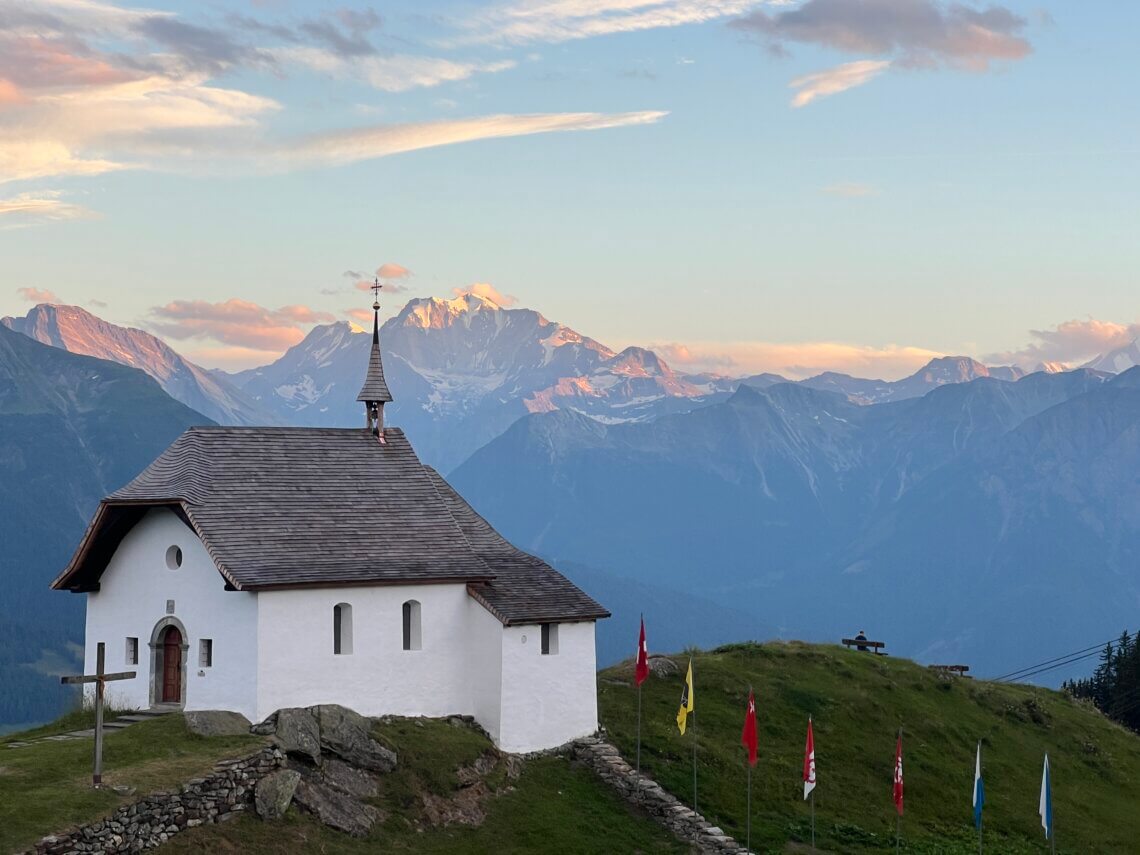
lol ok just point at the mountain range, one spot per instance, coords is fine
(461, 370)
(78, 331)
(72, 429)
(965, 525)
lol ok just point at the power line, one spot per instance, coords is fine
(1061, 664)
(1040, 667)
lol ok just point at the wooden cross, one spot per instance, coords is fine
(100, 680)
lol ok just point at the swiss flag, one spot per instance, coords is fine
(641, 671)
(898, 777)
(809, 762)
(748, 737)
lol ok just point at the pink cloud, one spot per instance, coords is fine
(362, 315)
(797, 360)
(237, 322)
(35, 62)
(10, 93)
(37, 295)
(487, 291)
(393, 271)
(1071, 341)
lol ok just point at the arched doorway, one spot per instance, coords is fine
(169, 644)
(171, 666)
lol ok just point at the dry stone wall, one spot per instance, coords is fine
(683, 821)
(150, 822)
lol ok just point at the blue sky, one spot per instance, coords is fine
(848, 184)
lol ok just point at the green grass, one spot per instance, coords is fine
(554, 806)
(46, 788)
(858, 702)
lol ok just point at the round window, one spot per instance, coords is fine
(174, 557)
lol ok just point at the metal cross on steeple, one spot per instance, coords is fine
(376, 286)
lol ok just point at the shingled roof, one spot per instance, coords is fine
(307, 507)
(525, 589)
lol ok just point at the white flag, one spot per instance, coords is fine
(1045, 805)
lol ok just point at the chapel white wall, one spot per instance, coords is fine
(132, 599)
(298, 667)
(547, 700)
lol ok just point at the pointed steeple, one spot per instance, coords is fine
(374, 394)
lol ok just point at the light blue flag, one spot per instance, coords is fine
(1045, 806)
(979, 789)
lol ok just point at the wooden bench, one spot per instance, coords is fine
(875, 647)
(959, 670)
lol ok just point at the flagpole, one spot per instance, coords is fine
(639, 728)
(813, 817)
(748, 819)
(898, 814)
(694, 714)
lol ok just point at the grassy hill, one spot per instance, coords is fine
(552, 804)
(858, 702)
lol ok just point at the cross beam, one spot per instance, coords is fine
(100, 678)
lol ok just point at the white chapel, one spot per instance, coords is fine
(252, 569)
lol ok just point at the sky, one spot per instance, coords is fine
(855, 185)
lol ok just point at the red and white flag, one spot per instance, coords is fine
(748, 737)
(641, 670)
(899, 777)
(809, 762)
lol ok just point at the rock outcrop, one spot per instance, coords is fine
(330, 750)
(216, 723)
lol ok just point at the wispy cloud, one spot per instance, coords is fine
(350, 146)
(797, 360)
(89, 88)
(916, 33)
(904, 34)
(552, 21)
(33, 209)
(37, 295)
(236, 322)
(851, 189)
(834, 80)
(1073, 341)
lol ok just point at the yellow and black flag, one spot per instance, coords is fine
(686, 700)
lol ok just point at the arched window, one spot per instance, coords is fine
(342, 629)
(412, 638)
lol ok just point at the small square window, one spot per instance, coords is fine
(205, 652)
(132, 654)
(549, 639)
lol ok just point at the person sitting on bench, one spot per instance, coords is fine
(862, 636)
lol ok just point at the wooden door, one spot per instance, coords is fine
(172, 666)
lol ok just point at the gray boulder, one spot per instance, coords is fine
(298, 733)
(274, 792)
(217, 723)
(348, 779)
(336, 809)
(347, 734)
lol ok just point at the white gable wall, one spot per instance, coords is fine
(548, 700)
(298, 667)
(132, 599)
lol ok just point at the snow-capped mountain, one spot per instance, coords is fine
(938, 372)
(463, 370)
(1119, 360)
(76, 330)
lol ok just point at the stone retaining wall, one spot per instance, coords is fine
(221, 795)
(683, 821)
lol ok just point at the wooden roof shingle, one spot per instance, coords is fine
(309, 507)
